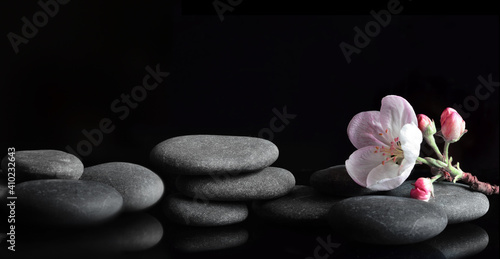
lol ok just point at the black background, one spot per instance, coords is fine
(227, 77)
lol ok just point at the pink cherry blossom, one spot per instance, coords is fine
(388, 143)
(452, 125)
(423, 189)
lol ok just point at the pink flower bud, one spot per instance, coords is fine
(452, 125)
(423, 189)
(426, 125)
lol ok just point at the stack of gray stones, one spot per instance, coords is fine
(55, 189)
(216, 176)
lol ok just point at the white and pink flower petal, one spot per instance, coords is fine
(361, 163)
(364, 129)
(395, 112)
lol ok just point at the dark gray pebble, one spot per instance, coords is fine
(460, 203)
(303, 205)
(387, 220)
(67, 202)
(140, 187)
(269, 183)
(336, 181)
(44, 164)
(213, 155)
(198, 212)
(202, 239)
(460, 241)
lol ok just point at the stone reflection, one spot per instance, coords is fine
(460, 241)
(128, 233)
(201, 239)
(362, 250)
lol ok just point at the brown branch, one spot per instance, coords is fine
(473, 182)
(479, 186)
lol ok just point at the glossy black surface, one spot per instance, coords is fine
(234, 77)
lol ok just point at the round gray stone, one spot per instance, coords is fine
(460, 241)
(45, 164)
(460, 203)
(196, 212)
(196, 239)
(140, 187)
(213, 155)
(303, 205)
(387, 219)
(269, 183)
(67, 202)
(336, 181)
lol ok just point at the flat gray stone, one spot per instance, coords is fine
(198, 239)
(460, 241)
(197, 212)
(336, 181)
(45, 164)
(140, 187)
(303, 205)
(386, 219)
(269, 183)
(460, 203)
(213, 155)
(67, 202)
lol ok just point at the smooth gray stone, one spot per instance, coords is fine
(140, 187)
(336, 181)
(197, 212)
(45, 164)
(213, 155)
(269, 183)
(67, 202)
(460, 203)
(386, 219)
(460, 241)
(202, 239)
(303, 205)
